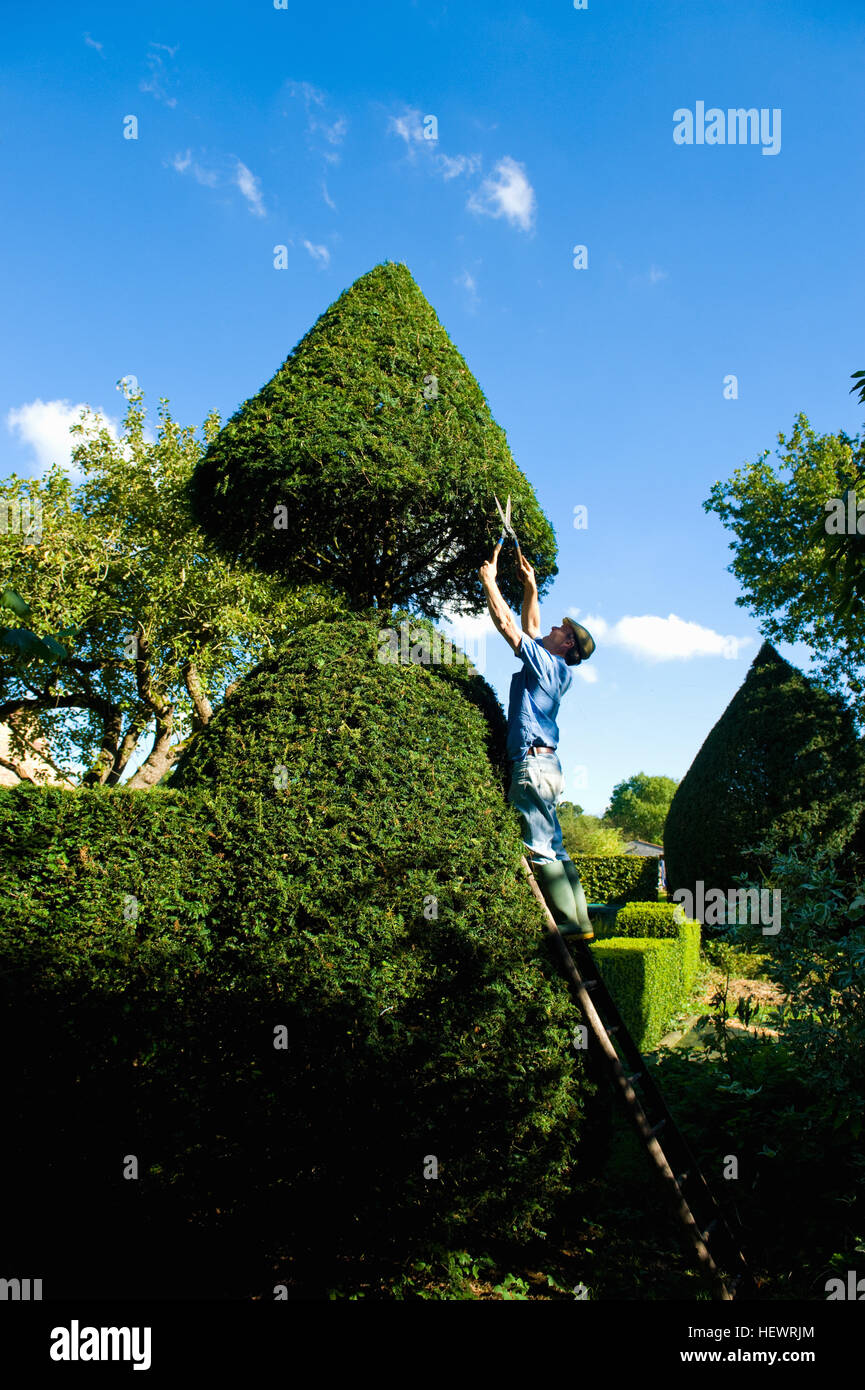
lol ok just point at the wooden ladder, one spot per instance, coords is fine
(702, 1220)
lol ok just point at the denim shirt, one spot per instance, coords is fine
(536, 690)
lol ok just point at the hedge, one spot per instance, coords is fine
(649, 995)
(608, 878)
(644, 977)
(334, 859)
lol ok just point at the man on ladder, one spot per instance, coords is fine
(536, 780)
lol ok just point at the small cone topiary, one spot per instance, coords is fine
(782, 761)
(370, 462)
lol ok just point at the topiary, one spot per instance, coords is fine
(781, 762)
(370, 462)
(376, 892)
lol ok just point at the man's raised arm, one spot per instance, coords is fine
(531, 613)
(499, 612)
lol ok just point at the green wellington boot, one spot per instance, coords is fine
(555, 884)
(586, 928)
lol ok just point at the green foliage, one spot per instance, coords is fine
(584, 834)
(796, 579)
(638, 807)
(618, 877)
(645, 977)
(152, 623)
(386, 477)
(781, 762)
(335, 857)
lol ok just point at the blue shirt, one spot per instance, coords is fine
(536, 690)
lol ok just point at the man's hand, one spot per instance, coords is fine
(489, 569)
(526, 573)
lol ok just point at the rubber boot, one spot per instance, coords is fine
(586, 928)
(555, 885)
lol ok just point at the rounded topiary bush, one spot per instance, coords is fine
(378, 921)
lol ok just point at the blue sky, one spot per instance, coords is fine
(303, 127)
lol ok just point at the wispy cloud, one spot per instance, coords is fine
(506, 193)
(326, 196)
(325, 132)
(185, 164)
(656, 274)
(654, 639)
(320, 254)
(468, 282)
(409, 127)
(237, 175)
(91, 43)
(250, 187)
(156, 84)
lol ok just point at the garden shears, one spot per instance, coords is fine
(508, 529)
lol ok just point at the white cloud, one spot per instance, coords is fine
(326, 196)
(451, 167)
(44, 427)
(156, 86)
(331, 129)
(586, 673)
(656, 274)
(654, 639)
(185, 163)
(239, 177)
(250, 187)
(91, 43)
(507, 193)
(318, 253)
(409, 126)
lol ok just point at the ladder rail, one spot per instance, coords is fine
(636, 1111)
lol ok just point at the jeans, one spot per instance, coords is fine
(536, 789)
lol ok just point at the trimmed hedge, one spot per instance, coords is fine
(608, 878)
(666, 984)
(333, 858)
(644, 977)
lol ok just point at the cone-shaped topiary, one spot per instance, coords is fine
(782, 760)
(370, 461)
(429, 1078)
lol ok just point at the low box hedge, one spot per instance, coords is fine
(644, 977)
(643, 991)
(622, 878)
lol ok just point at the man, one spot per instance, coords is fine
(533, 735)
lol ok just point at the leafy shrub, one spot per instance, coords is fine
(334, 868)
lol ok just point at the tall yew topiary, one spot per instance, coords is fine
(370, 461)
(782, 761)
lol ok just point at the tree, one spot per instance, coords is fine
(638, 806)
(370, 462)
(783, 761)
(585, 834)
(795, 576)
(148, 624)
